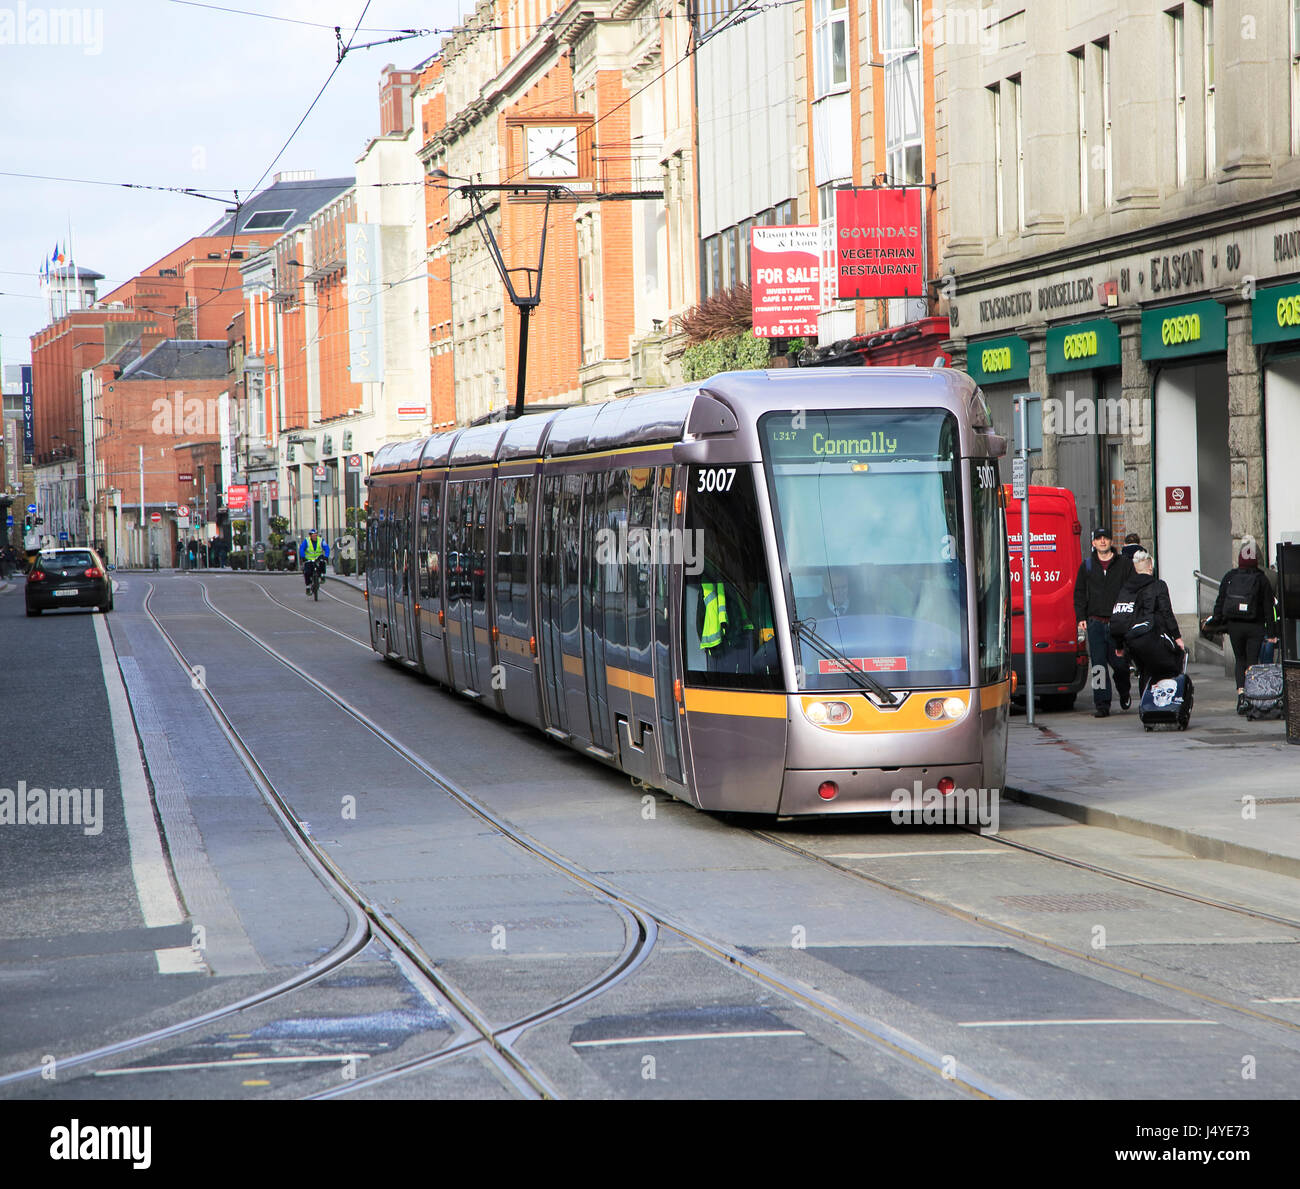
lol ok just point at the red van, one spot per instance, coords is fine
(1055, 555)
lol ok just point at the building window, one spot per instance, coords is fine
(999, 196)
(826, 220)
(900, 44)
(1207, 43)
(1295, 78)
(1081, 108)
(1108, 175)
(1180, 98)
(830, 46)
(1018, 115)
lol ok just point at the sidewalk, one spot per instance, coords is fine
(1185, 789)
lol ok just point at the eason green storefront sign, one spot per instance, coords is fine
(1275, 315)
(990, 361)
(1082, 346)
(1172, 332)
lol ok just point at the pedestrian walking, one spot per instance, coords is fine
(1132, 544)
(1096, 589)
(1246, 610)
(1143, 624)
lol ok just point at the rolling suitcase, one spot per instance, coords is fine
(1167, 701)
(1264, 692)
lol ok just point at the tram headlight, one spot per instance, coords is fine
(834, 714)
(951, 708)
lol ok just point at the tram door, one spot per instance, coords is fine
(428, 530)
(601, 585)
(398, 572)
(478, 640)
(666, 595)
(460, 624)
(573, 675)
(550, 601)
(632, 699)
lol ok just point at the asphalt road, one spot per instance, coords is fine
(872, 962)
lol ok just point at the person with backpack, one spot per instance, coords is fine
(1246, 610)
(1143, 623)
(1096, 589)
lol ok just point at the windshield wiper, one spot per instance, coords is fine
(803, 628)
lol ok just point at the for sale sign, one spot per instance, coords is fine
(785, 276)
(878, 243)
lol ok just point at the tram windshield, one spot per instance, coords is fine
(870, 515)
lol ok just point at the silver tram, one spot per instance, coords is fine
(775, 592)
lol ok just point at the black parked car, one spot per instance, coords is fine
(68, 578)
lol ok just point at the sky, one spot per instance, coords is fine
(163, 93)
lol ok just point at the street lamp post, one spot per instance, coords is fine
(530, 297)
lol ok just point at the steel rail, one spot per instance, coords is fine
(874, 1032)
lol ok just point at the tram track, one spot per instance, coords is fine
(1090, 957)
(865, 1029)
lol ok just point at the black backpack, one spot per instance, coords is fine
(1123, 615)
(1241, 596)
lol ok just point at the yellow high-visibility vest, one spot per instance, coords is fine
(315, 549)
(715, 614)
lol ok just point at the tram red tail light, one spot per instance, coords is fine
(828, 790)
(946, 785)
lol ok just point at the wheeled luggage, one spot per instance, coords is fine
(1263, 689)
(1167, 701)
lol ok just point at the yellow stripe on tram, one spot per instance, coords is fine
(735, 703)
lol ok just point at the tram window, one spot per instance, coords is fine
(570, 509)
(872, 536)
(430, 502)
(519, 536)
(640, 558)
(992, 580)
(505, 494)
(610, 557)
(728, 633)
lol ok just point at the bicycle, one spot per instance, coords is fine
(317, 576)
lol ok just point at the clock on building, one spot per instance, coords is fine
(552, 151)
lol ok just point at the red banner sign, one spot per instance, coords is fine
(878, 243)
(785, 280)
(237, 497)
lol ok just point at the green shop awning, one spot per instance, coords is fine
(991, 361)
(1198, 328)
(1082, 346)
(1275, 314)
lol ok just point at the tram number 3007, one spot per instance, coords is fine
(716, 478)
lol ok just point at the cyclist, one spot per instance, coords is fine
(314, 552)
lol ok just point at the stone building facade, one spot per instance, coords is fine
(1127, 245)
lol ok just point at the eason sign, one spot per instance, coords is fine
(995, 360)
(1275, 314)
(879, 243)
(1082, 346)
(1199, 328)
(785, 280)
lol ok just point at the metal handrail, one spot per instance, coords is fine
(1214, 582)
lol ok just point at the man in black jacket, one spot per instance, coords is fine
(1096, 588)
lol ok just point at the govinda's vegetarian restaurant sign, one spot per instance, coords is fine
(879, 243)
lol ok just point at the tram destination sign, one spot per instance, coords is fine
(858, 438)
(785, 280)
(879, 243)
